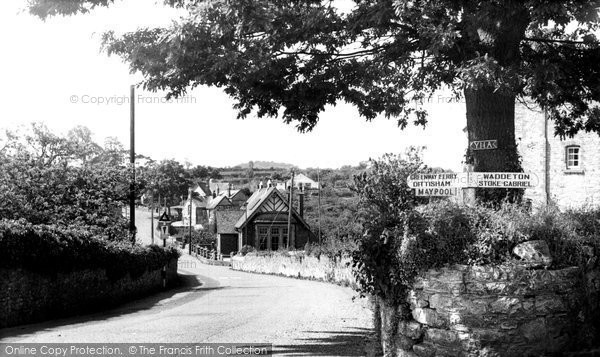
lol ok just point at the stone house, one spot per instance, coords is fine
(568, 170)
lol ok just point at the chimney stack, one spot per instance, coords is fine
(229, 190)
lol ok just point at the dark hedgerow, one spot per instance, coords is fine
(49, 249)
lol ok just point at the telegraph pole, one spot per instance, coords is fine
(289, 223)
(319, 183)
(132, 230)
(190, 215)
(152, 217)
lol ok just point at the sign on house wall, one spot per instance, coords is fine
(449, 183)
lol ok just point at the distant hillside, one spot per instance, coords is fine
(258, 165)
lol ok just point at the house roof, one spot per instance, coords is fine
(220, 200)
(202, 189)
(258, 199)
(302, 178)
(226, 220)
(197, 201)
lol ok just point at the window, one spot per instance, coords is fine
(573, 157)
(274, 238)
(284, 233)
(262, 237)
(198, 215)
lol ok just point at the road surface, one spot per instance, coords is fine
(219, 305)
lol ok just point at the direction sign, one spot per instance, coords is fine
(448, 183)
(503, 179)
(437, 191)
(484, 144)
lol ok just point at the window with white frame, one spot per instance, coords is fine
(270, 237)
(573, 157)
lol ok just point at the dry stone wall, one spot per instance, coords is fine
(488, 311)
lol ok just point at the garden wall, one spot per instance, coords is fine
(492, 311)
(27, 296)
(326, 269)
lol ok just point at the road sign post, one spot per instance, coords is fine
(164, 222)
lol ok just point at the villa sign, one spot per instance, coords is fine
(484, 145)
(449, 183)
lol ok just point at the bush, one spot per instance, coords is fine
(48, 249)
(333, 246)
(246, 249)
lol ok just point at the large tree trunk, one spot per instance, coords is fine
(491, 116)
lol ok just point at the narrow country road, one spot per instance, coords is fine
(219, 305)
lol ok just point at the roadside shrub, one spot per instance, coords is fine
(49, 249)
(331, 247)
(572, 236)
(246, 249)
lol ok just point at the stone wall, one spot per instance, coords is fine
(491, 311)
(27, 297)
(336, 271)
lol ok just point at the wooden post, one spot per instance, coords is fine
(319, 205)
(152, 217)
(190, 215)
(289, 223)
(132, 231)
(468, 193)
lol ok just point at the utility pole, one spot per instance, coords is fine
(291, 200)
(152, 217)
(132, 229)
(190, 223)
(319, 205)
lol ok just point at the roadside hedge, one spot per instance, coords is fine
(49, 249)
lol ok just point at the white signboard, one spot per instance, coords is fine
(441, 184)
(437, 191)
(484, 145)
(448, 183)
(503, 179)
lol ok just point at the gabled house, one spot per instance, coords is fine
(303, 181)
(202, 189)
(264, 219)
(237, 197)
(199, 214)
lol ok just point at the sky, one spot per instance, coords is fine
(54, 72)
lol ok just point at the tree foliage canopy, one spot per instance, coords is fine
(293, 58)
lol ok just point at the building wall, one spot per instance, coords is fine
(566, 189)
